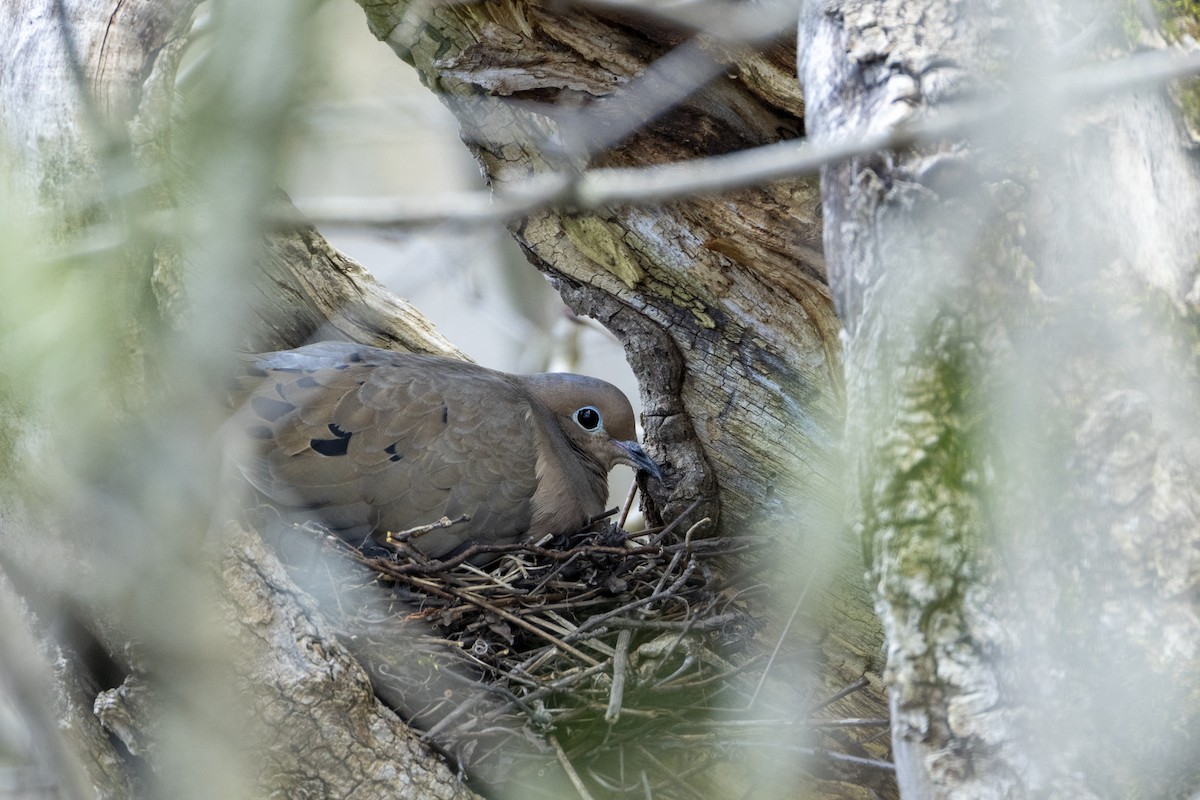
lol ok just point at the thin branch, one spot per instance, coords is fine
(617, 693)
(576, 781)
(792, 158)
(783, 636)
(518, 621)
(861, 683)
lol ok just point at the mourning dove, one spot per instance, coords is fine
(371, 441)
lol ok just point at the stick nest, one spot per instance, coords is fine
(623, 660)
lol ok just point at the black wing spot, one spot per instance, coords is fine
(445, 413)
(391, 451)
(332, 447)
(269, 408)
(356, 356)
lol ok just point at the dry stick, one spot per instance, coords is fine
(675, 523)
(852, 722)
(662, 579)
(861, 683)
(625, 509)
(452, 592)
(717, 678)
(860, 761)
(773, 724)
(536, 631)
(553, 686)
(403, 537)
(570, 770)
(688, 661)
(670, 774)
(445, 721)
(783, 635)
(604, 783)
(618, 683)
(641, 185)
(391, 567)
(592, 622)
(674, 625)
(551, 575)
(687, 539)
(887, 730)
(555, 622)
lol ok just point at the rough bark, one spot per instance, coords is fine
(720, 301)
(733, 284)
(1021, 394)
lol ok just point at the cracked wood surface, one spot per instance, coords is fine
(720, 300)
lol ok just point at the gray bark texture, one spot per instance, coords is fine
(1019, 306)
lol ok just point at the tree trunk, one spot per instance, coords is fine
(1021, 388)
(719, 299)
(110, 423)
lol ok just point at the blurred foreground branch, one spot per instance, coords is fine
(1059, 93)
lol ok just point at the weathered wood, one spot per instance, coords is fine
(730, 289)
(1014, 449)
(720, 301)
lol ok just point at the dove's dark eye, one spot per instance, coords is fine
(588, 418)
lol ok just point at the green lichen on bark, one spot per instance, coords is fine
(1179, 18)
(922, 503)
(1180, 22)
(1177, 21)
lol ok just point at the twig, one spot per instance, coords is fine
(675, 523)
(403, 537)
(514, 619)
(861, 683)
(859, 761)
(673, 625)
(716, 678)
(670, 774)
(592, 622)
(852, 722)
(576, 781)
(628, 505)
(446, 721)
(783, 635)
(554, 686)
(631, 186)
(437, 567)
(617, 692)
